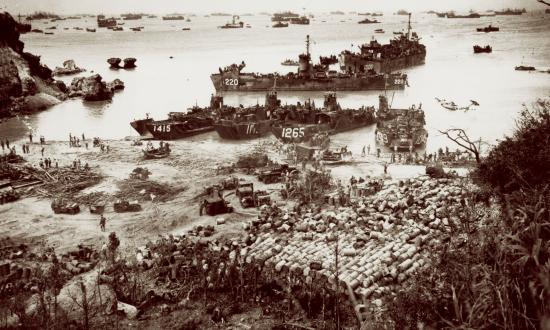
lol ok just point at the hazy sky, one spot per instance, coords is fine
(253, 6)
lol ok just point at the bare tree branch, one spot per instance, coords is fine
(459, 136)
(544, 2)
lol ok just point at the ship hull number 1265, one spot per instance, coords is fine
(231, 82)
(293, 132)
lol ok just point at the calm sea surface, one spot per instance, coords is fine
(160, 84)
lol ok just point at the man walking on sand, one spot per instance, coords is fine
(102, 222)
(30, 137)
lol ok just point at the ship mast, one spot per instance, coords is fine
(409, 28)
(307, 45)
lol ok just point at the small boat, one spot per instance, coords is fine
(449, 105)
(137, 29)
(379, 31)
(525, 68)
(157, 153)
(233, 25)
(398, 33)
(48, 33)
(118, 28)
(90, 30)
(303, 20)
(368, 21)
(488, 29)
(186, 29)
(479, 49)
(280, 25)
(289, 62)
(172, 18)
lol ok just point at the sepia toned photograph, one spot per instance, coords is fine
(275, 165)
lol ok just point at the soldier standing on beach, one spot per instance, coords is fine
(2, 143)
(102, 222)
(30, 137)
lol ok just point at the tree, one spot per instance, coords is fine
(544, 2)
(459, 136)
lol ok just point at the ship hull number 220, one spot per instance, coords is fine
(231, 82)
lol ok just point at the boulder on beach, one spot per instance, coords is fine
(114, 62)
(129, 63)
(69, 67)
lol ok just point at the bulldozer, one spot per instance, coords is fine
(123, 205)
(60, 205)
(214, 203)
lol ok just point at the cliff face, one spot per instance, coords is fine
(22, 78)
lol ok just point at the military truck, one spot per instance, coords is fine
(61, 206)
(250, 198)
(97, 209)
(214, 203)
(275, 174)
(245, 192)
(122, 205)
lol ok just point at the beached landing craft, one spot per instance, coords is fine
(247, 123)
(180, 124)
(297, 124)
(400, 129)
(309, 77)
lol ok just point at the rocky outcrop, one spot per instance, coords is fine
(130, 63)
(24, 82)
(116, 85)
(93, 88)
(114, 62)
(69, 67)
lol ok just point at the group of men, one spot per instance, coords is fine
(75, 141)
(5, 145)
(47, 163)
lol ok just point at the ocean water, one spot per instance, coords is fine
(159, 84)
